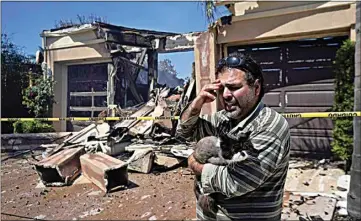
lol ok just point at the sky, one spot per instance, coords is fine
(24, 21)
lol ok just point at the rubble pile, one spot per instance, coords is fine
(104, 151)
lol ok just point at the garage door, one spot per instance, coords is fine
(299, 78)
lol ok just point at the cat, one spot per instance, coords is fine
(223, 151)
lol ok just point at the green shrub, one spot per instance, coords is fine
(32, 127)
(39, 98)
(344, 65)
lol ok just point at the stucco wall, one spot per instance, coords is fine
(79, 48)
(321, 21)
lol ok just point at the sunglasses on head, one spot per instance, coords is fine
(240, 63)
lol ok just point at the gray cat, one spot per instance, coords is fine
(222, 151)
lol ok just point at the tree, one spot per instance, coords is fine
(14, 77)
(344, 100)
(210, 11)
(168, 75)
(354, 195)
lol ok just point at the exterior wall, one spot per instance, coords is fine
(206, 54)
(79, 48)
(291, 25)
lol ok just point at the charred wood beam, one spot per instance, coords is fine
(130, 39)
(152, 68)
(121, 64)
(132, 63)
(111, 84)
(133, 88)
(177, 43)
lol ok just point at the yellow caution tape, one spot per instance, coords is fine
(323, 114)
(90, 118)
(286, 115)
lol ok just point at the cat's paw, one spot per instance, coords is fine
(216, 161)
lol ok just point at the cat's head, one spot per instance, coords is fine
(230, 146)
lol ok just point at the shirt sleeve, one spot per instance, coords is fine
(197, 127)
(245, 176)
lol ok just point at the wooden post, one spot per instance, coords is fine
(152, 69)
(30, 73)
(111, 87)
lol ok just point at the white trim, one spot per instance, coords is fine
(75, 44)
(64, 95)
(71, 108)
(68, 31)
(88, 94)
(89, 61)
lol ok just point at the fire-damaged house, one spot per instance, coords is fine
(97, 65)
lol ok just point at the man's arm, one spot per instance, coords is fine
(245, 176)
(191, 124)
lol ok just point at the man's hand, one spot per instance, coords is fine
(194, 165)
(206, 95)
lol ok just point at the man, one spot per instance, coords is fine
(251, 189)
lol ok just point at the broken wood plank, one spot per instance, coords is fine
(145, 110)
(166, 161)
(145, 127)
(133, 87)
(141, 160)
(61, 168)
(107, 172)
(167, 123)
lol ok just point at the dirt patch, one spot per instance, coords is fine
(163, 196)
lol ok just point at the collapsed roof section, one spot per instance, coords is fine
(120, 38)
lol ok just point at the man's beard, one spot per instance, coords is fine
(239, 109)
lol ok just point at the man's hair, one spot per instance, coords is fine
(251, 75)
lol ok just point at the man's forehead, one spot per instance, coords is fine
(231, 76)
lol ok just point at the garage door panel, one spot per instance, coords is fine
(299, 75)
(327, 63)
(309, 98)
(312, 51)
(311, 145)
(311, 132)
(310, 87)
(272, 77)
(307, 109)
(308, 75)
(272, 99)
(266, 54)
(309, 123)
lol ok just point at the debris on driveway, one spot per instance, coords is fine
(105, 151)
(130, 153)
(298, 205)
(106, 172)
(61, 168)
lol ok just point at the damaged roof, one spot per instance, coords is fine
(92, 26)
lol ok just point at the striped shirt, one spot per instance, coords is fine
(253, 188)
